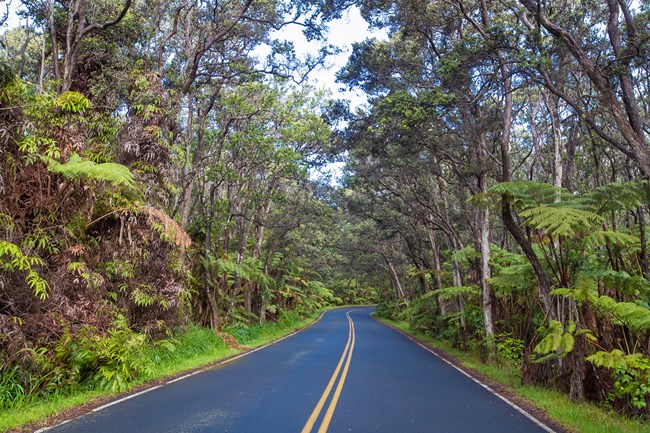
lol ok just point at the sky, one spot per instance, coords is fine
(342, 33)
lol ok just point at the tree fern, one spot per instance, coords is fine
(598, 238)
(616, 196)
(630, 314)
(560, 221)
(634, 315)
(527, 194)
(621, 280)
(77, 168)
(170, 229)
(453, 292)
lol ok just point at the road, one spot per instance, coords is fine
(346, 373)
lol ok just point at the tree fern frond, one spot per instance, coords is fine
(527, 194)
(76, 168)
(448, 293)
(622, 281)
(634, 316)
(618, 196)
(600, 238)
(560, 221)
(171, 229)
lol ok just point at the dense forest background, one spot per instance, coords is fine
(154, 174)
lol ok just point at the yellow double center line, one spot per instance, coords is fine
(345, 358)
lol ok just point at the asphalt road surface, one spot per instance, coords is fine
(346, 373)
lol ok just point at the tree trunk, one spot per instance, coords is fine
(396, 282)
(488, 297)
(187, 177)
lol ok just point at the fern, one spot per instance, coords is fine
(600, 238)
(510, 272)
(170, 229)
(622, 281)
(527, 194)
(559, 340)
(631, 373)
(634, 316)
(560, 221)
(453, 292)
(76, 168)
(616, 196)
(466, 254)
(12, 259)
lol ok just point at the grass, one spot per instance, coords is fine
(195, 348)
(576, 417)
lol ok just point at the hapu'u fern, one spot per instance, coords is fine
(613, 238)
(616, 196)
(527, 194)
(170, 228)
(622, 281)
(76, 168)
(560, 221)
(635, 316)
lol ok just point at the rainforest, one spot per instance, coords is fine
(167, 191)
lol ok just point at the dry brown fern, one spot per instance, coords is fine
(172, 230)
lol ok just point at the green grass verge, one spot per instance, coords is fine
(194, 348)
(577, 417)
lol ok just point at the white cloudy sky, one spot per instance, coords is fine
(342, 33)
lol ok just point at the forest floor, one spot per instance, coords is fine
(550, 406)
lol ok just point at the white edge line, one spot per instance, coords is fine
(128, 397)
(97, 409)
(510, 403)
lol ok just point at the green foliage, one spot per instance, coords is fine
(109, 362)
(631, 375)
(12, 390)
(453, 292)
(192, 342)
(634, 315)
(616, 197)
(527, 194)
(72, 102)
(77, 168)
(509, 348)
(12, 259)
(558, 340)
(511, 273)
(560, 221)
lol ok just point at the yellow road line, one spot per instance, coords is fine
(347, 352)
(335, 398)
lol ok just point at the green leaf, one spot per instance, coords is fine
(76, 168)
